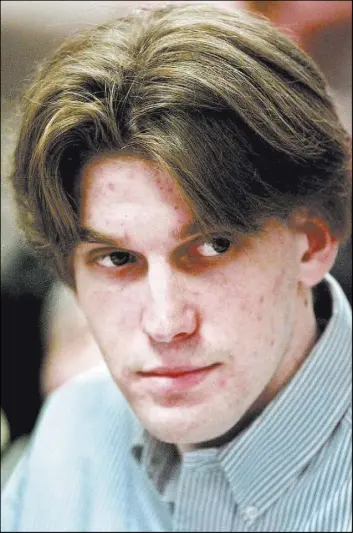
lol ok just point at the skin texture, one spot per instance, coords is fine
(179, 302)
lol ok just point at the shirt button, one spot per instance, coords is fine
(250, 513)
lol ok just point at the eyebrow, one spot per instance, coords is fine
(94, 236)
(90, 235)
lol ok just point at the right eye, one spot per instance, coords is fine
(115, 259)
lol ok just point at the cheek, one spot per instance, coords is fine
(242, 311)
(247, 371)
(217, 301)
(235, 303)
(111, 313)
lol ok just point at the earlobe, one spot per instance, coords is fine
(320, 251)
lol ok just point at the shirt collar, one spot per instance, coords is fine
(159, 459)
(262, 461)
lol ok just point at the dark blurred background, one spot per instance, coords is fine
(29, 32)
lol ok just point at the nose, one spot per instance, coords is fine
(168, 316)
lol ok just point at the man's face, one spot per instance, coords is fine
(193, 332)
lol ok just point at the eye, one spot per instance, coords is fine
(215, 246)
(116, 259)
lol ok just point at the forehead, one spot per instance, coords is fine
(125, 191)
(129, 178)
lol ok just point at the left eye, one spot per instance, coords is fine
(216, 246)
(116, 259)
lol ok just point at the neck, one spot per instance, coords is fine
(305, 334)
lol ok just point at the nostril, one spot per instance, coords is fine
(180, 336)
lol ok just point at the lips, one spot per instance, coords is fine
(175, 371)
(164, 381)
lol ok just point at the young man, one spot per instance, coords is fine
(184, 171)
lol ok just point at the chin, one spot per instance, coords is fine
(182, 427)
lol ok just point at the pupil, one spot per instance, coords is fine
(220, 244)
(119, 258)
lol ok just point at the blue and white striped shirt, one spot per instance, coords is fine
(91, 467)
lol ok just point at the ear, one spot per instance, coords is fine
(318, 250)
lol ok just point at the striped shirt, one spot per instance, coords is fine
(90, 465)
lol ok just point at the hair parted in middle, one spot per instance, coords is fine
(236, 113)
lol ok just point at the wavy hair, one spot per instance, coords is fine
(238, 114)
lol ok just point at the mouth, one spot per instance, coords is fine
(164, 380)
(174, 372)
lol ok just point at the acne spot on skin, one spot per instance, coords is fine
(111, 186)
(261, 299)
(245, 306)
(272, 342)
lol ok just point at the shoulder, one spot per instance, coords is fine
(79, 450)
(84, 409)
(80, 393)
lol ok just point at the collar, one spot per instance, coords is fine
(159, 459)
(261, 462)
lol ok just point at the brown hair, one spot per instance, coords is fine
(233, 109)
